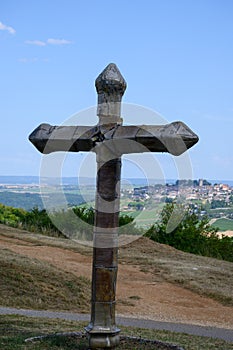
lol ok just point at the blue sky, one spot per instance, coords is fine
(176, 57)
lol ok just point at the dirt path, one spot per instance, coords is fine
(139, 294)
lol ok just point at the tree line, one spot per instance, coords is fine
(76, 222)
(178, 226)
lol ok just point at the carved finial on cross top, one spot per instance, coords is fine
(109, 139)
(110, 86)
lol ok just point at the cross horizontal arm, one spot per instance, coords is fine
(174, 138)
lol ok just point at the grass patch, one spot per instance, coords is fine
(31, 283)
(146, 218)
(15, 329)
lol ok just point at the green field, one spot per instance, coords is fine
(223, 224)
(145, 218)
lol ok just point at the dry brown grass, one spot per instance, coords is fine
(206, 276)
(30, 283)
(40, 240)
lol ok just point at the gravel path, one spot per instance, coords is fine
(213, 332)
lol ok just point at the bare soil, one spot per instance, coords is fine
(142, 292)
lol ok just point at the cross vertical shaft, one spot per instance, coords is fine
(102, 329)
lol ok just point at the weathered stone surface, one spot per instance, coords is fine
(110, 86)
(174, 138)
(109, 140)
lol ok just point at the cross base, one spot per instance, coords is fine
(103, 340)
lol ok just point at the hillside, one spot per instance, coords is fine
(154, 281)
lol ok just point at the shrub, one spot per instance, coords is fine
(181, 228)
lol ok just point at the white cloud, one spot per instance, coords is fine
(58, 41)
(35, 42)
(48, 42)
(7, 28)
(32, 60)
(28, 60)
(23, 60)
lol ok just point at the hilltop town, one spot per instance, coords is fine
(216, 199)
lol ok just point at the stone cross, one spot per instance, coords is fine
(109, 139)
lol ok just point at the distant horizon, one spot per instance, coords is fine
(10, 178)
